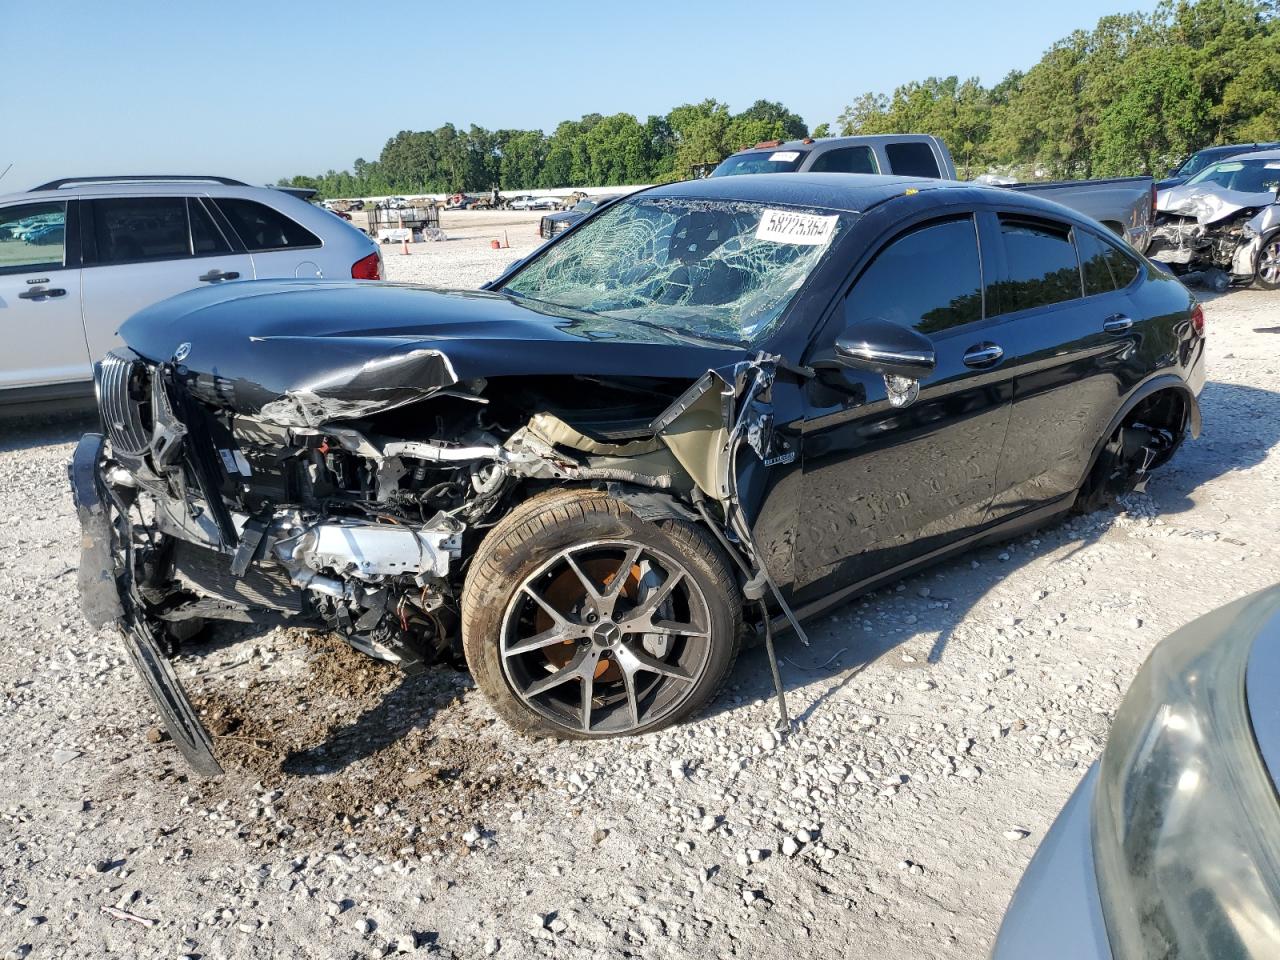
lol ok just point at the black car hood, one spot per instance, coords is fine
(303, 352)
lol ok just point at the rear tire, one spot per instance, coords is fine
(582, 621)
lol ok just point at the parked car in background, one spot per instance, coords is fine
(1124, 205)
(528, 201)
(1170, 847)
(1224, 221)
(589, 475)
(554, 223)
(79, 256)
(1209, 155)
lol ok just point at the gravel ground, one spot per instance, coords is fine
(942, 723)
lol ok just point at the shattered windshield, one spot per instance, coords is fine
(1244, 176)
(712, 269)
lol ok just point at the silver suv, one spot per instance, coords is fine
(78, 257)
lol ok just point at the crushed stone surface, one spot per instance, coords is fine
(942, 722)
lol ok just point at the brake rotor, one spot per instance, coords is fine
(566, 592)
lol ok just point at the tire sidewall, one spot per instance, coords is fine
(523, 551)
(1258, 281)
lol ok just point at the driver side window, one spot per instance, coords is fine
(929, 279)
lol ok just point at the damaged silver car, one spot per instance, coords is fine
(708, 411)
(1223, 225)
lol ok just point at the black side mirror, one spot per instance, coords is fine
(884, 347)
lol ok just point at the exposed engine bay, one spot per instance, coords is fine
(1211, 234)
(367, 525)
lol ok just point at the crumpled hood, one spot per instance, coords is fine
(303, 352)
(1208, 202)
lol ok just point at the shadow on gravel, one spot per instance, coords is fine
(1241, 425)
(23, 429)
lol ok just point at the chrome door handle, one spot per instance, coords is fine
(1118, 323)
(39, 293)
(213, 275)
(983, 355)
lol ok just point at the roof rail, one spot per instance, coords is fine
(137, 178)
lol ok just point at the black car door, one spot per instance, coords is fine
(1067, 335)
(885, 484)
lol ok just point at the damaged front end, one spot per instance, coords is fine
(1211, 237)
(357, 508)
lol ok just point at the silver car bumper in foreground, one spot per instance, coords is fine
(1055, 913)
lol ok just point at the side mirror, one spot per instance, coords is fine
(886, 348)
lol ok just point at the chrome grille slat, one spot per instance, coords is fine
(120, 414)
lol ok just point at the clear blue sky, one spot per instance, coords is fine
(264, 89)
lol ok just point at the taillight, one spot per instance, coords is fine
(1197, 320)
(1153, 200)
(368, 268)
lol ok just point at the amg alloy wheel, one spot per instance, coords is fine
(581, 620)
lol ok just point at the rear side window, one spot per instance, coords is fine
(135, 229)
(262, 228)
(929, 279)
(33, 237)
(1093, 264)
(1042, 265)
(845, 160)
(912, 159)
(206, 238)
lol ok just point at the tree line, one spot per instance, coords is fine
(593, 151)
(1130, 96)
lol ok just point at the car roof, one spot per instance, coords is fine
(1256, 155)
(106, 187)
(852, 192)
(1238, 147)
(827, 143)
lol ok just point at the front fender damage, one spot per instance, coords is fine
(707, 429)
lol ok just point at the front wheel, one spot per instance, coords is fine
(580, 620)
(1266, 274)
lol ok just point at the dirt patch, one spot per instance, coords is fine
(349, 747)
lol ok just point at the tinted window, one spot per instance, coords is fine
(1042, 266)
(1093, 264)
(846, 160)
(32, 236)
(913, 159)
(262, 228)
(206, 238)
(1104, 265)
(1123, 266)
(930, 279)
(130, 229)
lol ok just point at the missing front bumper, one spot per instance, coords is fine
(108, 595)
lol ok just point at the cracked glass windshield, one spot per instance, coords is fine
(711, 269)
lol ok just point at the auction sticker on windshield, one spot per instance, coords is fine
(787, 226)
(783, 156)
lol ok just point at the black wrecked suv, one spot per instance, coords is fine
(712, 408)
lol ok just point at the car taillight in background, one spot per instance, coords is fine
(1197, 320)
(368, 268)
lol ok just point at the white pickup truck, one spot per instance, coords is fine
(1125, 205)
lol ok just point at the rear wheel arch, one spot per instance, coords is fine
(1164, 401)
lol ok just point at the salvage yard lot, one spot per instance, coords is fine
(941, 724)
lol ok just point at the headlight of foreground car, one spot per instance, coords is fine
(1186, 819)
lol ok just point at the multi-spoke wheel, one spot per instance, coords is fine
(581, 620)
(1267, 273)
